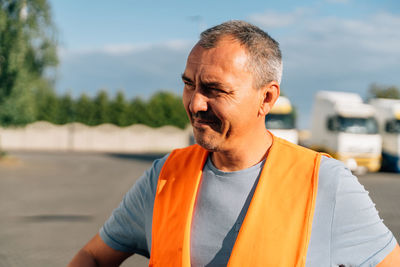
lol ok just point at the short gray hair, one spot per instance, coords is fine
(265, 58)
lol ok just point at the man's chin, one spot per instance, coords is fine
(207, 143)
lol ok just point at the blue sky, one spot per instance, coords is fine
(141, 46)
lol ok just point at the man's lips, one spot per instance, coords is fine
(203, 119)
(203, 122)
(197, 122)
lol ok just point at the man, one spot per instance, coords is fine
(241, 197)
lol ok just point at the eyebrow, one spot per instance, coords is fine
(213, 84)
(186, 79)
(205, 84)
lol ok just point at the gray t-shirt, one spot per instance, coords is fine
(346, 227)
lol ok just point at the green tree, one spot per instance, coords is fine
(381, 91)
(101, 113)
(84, 110)
(66, 109)
(27, 50)
(47, 105)
(118, 110)
(165, 108)
(137, 112)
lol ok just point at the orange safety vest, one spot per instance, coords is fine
(277, 227)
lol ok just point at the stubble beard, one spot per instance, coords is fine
(207, 141)
(207, 138)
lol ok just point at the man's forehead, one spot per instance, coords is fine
(225, 55)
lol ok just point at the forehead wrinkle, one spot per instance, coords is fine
(213, 73)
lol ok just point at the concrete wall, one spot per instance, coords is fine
(106, 137)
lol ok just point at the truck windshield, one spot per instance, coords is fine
(393, 126)
(280, 121)
(358, 125)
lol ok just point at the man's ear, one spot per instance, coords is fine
(270, 93)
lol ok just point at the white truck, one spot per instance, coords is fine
(345, 127)
(281, 120)
(388, 117)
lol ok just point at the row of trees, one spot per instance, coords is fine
(163, 108)
(28, 56)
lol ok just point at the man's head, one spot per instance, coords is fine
(265, 58)
(231, 81)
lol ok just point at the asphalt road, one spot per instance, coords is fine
(53, 203)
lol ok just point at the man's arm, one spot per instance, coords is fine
(391, 260)
(125, 230)
(98, 253)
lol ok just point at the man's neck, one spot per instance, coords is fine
(244, 155)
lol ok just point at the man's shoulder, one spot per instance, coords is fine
(334, 180)
(346, 219)
(335, 172)
(332, 174)
(159, 163)
(333, 167)
(151, 175)
(148, 181)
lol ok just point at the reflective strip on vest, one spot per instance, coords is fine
(277, 227)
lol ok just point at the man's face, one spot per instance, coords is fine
(219, 96)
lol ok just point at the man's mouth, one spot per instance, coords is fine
(202, 120)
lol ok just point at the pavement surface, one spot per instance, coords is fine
(53, 203)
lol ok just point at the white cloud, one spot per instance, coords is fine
(377, 35)
(139, 69)
(335, 53)
(120, 48)
(125, 48)
(179, 44)
(271, 19)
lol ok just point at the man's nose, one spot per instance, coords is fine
(198, 102)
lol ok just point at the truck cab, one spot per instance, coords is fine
(388, 117)
(345, 127)
(281, 120)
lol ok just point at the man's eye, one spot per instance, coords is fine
(217, 90)
(188, 84)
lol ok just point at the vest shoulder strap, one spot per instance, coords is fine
(277, 226)
(173, 207)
